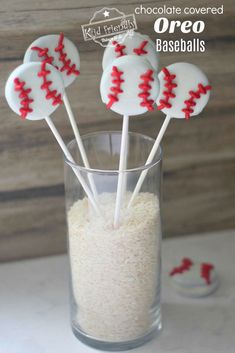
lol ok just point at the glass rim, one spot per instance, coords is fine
(114, 171)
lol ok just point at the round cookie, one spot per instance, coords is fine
(58, 51)
(34, 90)
(194, 279)
(184, 90)
(129, 86)
(130, 44)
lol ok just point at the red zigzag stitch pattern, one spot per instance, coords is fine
(116, 88)
(146, 87)
(70, 69)
(186, 264)
(140, 50)
(188, 110)
(168, 93)
(119, 48)
(50, 94)
(206, 272)
(24, 94)
(43, 53)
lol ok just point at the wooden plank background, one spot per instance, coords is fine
(199, 156)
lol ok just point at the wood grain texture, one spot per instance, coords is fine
(199, 156)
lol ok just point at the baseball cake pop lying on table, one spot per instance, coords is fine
(60, 52)
(129, 86)
(133, 43)
(34, 91)
(184, 92)
(194, 279)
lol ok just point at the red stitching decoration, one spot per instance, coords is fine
(50, 94)
(116, 88)
(168, 93)
(188, 110)
(43, 53)
(119, 48)
(206, 269)
(186, 264)
(24, 94)
(140, 50)
(146, 87)
(70, 69)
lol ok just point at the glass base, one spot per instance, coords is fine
(116, 346)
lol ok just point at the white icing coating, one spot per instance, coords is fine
(131, 42)
(51, 42)
(188, 76)
(129, 103)
(28, 73)
(191, 283)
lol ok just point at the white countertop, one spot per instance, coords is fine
(34, 308)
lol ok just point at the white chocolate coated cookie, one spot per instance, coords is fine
(184, 90)
(129, 86)
(194, 279)
(130, 44)
(58, 51)
(34, 90)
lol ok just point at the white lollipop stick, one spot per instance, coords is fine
(80, 143)
(125, 168)
(121, 177)
(150, 159)
(70, 158)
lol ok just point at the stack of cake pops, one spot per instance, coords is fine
(130, 85)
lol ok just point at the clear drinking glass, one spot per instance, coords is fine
(115, 272)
